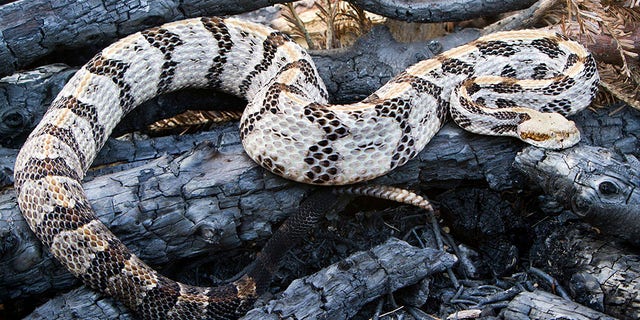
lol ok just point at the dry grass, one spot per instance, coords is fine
(329, 24)
(617, 20)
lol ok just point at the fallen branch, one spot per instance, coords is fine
(340, 290)
(439, 10)
(31, 30)
(600, 272)
(542, 305)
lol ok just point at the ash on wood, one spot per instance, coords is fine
(543, 305)
(603, 273)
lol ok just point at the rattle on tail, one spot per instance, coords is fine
(288, 128)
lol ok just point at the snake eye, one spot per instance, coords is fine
(608, 188)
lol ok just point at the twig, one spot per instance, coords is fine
(523, 19)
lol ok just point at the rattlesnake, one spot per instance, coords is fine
(288, 128)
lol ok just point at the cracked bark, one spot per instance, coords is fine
(31, 30)
(159, 206)
(542, 305)
(340, 290)
(601, 272)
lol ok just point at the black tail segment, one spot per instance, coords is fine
(288, 236)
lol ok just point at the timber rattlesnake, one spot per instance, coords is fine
(287, 127)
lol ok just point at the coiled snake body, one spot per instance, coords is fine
(288, 128)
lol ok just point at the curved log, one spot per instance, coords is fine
(601, 273)
(30, 30)
(595, 183)
(542, 305)
(440, 11)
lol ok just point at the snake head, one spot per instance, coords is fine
(547, 130)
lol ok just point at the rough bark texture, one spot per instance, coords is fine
(340, 290)
(542, 305)
(161, 207)
(601, 187)
(601, 273)
(438, 11)
(31, 30)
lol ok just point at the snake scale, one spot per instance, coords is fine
(288, 127)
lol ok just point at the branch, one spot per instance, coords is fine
(542, 305)
(33, 29)
(439, 10)
(599, 186)
(602, 273)
(338, 292)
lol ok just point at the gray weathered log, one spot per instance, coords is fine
(30, 30)
(600, 272)
(153, 196)
(24, 98)
(439, 10)
(167, 210)
(335, 292)
(81, 303)
(340, 290)
(596, 184)
(542, 305)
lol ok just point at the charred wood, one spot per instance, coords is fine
(31, 30)
(596, 184)
(439, 11)
(543, 305)
(601, 272)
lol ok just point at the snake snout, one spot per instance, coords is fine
(549, 131)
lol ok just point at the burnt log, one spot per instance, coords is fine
(543, 305)
(440, 11)
(338, 291)
(31, 30)
(601, 272)
(596, 184)
(159, 193)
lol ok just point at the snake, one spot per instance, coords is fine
(521, 84)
